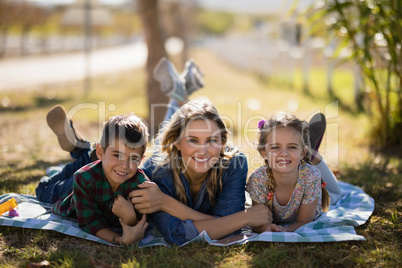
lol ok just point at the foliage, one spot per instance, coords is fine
(215, 22)
(372, 31)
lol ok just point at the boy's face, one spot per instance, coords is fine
(119, 162)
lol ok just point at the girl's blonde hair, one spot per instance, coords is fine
(281, 120)
(173, 132)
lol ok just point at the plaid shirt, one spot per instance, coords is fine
(92, 198)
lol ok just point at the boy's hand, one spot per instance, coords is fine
(123, 209)
(135, 233)
(148, 199)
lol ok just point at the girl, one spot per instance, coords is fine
(287, 184)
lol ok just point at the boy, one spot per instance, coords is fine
(100, 189)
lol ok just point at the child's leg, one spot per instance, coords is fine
(332, 183)
(50, 189)
(317, 126)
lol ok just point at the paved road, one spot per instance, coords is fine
(44, 70)
(253, 52)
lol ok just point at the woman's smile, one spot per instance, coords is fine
(200, 147)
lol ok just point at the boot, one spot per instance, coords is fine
(317, 126)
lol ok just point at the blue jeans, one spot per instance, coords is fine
(173, 106)
(60, 184)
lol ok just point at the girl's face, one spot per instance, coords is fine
(284, 150)
(200, 147)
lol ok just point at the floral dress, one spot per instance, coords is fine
(308, 188)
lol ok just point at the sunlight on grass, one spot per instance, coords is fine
(28, 147)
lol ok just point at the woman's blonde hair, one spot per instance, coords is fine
(173, 132)
(281, 120)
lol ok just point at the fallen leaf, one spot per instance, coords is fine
(38, 264)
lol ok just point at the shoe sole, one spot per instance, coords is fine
(317, 127)
(193, 77)
(159, 74)
(58, 123)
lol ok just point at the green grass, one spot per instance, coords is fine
(28, 147)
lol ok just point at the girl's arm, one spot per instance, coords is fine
(217, 228)
(178, 231)
(306, 215)
(184, 223)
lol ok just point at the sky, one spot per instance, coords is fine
(46, 2)
(254, 6)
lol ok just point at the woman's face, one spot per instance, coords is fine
(200, 147)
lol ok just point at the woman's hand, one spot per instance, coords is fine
(259, 215)
(123, 209)
(148, 199)
(135, 233)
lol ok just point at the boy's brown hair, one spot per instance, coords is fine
(128, 127)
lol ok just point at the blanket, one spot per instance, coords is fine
(338, 224)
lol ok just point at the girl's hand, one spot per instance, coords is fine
(148, 199)
(259, 215)
(123, 209)
(274, 228)
(133, 234)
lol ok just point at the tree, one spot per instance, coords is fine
(373, 30)
(148, 10)
(7, 15)
(29, 16)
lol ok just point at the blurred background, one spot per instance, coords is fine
(52, 43)
(260, 36)
(339, 57)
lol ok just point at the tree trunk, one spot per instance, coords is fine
(148, 10)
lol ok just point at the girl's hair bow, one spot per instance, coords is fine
(323, 184)
(261, 123)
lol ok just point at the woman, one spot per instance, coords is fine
(201, 181)
(198, 181)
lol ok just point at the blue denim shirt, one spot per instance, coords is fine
(230, 200)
